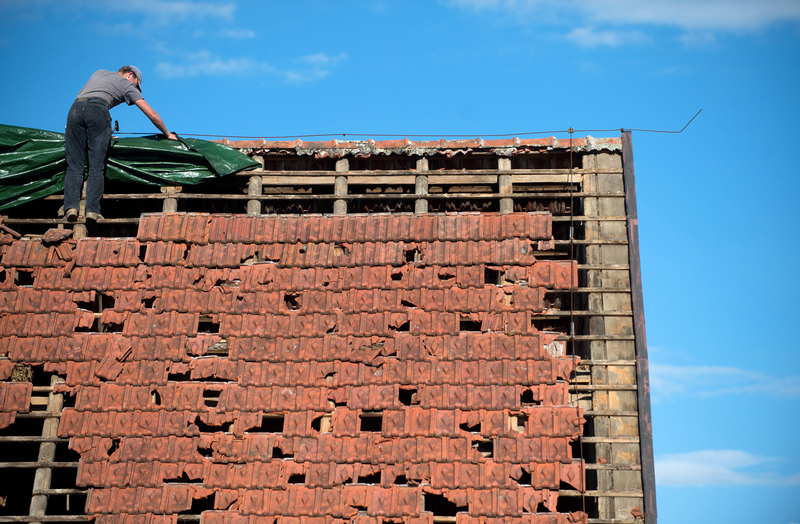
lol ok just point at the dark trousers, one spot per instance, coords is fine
(88, 135)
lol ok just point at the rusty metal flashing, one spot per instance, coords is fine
(640, 338)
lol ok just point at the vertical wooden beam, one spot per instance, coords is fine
(340, 187)
(170, 204)
(82, 202)
(504, 185)
(47, 451)
(640, 338)
(421, 186)
(79, 231)
(254, 188)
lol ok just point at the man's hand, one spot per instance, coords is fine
(172, 136)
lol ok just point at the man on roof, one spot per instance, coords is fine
(88, 134)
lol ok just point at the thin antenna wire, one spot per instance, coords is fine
(395, 135)
(657, 131)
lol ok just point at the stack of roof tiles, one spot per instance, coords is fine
(314, 369)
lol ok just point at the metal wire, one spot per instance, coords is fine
(394, 135)
(658, 131)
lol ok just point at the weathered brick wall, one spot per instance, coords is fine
(313, 368)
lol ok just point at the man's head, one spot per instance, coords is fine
(133, 74)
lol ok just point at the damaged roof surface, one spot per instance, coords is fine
(357, 368)
(503, 147)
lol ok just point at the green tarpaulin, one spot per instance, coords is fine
(32, 162)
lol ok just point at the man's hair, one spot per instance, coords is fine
(124, 70)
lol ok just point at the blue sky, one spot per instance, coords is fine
(717, 203)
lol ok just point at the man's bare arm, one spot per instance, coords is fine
(155, 119)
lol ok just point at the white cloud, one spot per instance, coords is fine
(238, 34)
(720, 468)
(313, 67)
(145, 18)
(522, 6)
(589, 37)
(160, 11)
(698, 39)
(695, 15)
(667, 381)
(204, 63)
(520, 11)
(485, 4)
(165, 12)
(620, 22)
(322, 59)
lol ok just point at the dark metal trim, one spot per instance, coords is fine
(640, 339)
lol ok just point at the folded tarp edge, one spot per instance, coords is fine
(32, 164)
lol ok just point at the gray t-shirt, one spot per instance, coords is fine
(111, 87)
